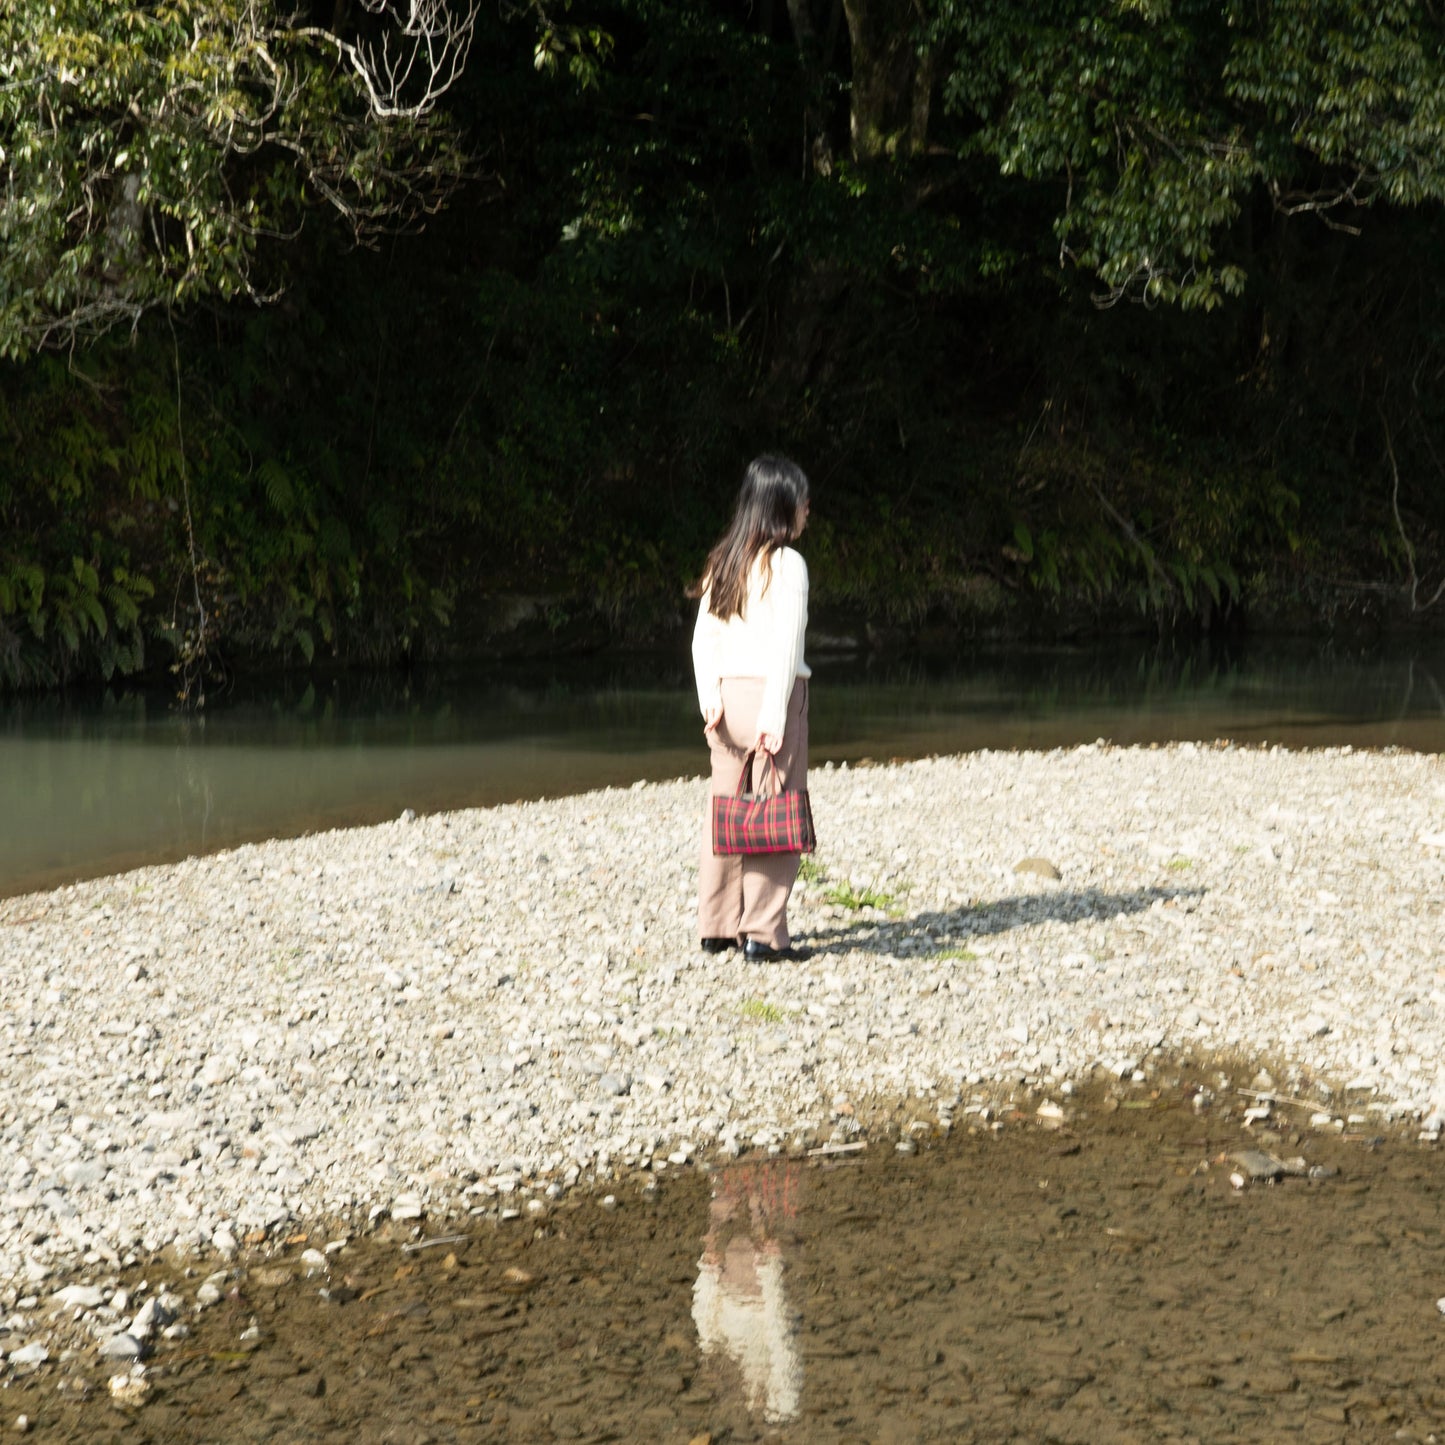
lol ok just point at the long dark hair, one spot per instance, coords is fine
(770, 503)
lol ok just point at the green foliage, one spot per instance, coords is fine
(676, 257)
(581, 49)
(72, 594)
(72, 620)
(761, 1011)
(145, 150)
(848, 895)
(1152, 534)
(1160, 122)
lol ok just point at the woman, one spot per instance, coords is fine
(747, 654)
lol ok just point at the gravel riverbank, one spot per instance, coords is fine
(453, 1012)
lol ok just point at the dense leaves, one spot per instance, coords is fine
(877, 233)
(1164, 119)
(147, 149)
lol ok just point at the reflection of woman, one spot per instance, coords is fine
(747, 653)
(739, 1302)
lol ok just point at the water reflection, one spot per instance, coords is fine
(740, 1301)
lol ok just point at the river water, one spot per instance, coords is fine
(1104, 1273)
(96, 785)
(1098, 1271)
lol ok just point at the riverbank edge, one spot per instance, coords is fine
(171, 1289)
(862, 1114)
(509, 628)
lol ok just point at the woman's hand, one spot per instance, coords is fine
(769, 743)
(711, 718)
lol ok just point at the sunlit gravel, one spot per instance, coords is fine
(450, 1013)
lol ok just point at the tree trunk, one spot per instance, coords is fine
(892, 79)
(891, 91)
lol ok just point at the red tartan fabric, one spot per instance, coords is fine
(755, 823)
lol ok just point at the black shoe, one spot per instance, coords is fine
(756, 952)
(718, 945)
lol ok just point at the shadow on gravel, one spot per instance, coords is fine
(945, 930)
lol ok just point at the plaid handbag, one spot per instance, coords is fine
(776, 822)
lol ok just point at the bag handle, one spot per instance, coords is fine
(745, 778)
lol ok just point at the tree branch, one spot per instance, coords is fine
(1409, 546)
(408, 70)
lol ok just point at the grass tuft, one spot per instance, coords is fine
(845, 895)
(762, 1011)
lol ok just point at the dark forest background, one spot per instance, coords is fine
(519, 425)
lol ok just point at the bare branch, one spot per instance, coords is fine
(1141, 286)
(1409, 546)
(416, 61)
(133, 196)
(1168, 587)
(1320, 203)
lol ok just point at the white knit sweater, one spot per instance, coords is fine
(765, 641)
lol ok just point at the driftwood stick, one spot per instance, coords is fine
(441, 1239)
(1269, 1098)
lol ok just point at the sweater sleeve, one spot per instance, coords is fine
(706, 656)
(789, 597)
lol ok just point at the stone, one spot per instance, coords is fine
(81, 1174)
(153, 1315)
(155, 1125)
(1038, 868)
(212, 1290)
(130, 1391)
(121, 1347)
(32, 1354)
(1256, 1164)
(79, 1296)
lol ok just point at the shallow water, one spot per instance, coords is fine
(1099, 1277)
(99, 786)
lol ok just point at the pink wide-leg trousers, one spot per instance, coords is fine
(747, 897)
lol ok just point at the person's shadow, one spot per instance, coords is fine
(935, 931)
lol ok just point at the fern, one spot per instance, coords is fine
(277, 485)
